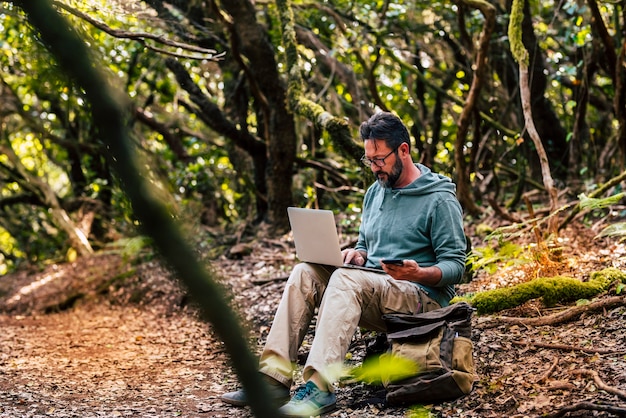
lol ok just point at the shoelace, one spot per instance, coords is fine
(304, 391)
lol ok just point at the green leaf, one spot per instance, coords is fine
(385, 368)
(614, 230)
(594, 203)
(420, 411)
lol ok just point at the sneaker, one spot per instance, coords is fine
(309, 401)
(278, 392)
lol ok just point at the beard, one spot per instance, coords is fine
(388, 180)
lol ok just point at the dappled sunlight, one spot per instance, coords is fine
(30, 288)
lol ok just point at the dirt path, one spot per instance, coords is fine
(108, 361)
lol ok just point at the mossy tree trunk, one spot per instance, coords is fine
(521, 55)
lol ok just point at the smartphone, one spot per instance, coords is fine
(394, 261)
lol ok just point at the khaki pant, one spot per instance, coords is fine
(346, 298)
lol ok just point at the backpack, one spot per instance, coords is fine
(439, 342)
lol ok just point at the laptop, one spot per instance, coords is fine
(315, 236)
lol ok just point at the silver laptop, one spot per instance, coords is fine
(316, 239)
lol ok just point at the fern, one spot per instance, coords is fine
(595, 203)
(488, 258)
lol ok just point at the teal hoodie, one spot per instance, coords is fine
(423, 222)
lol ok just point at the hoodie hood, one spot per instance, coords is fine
(428, 182)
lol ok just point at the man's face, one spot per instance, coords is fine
(386, 166)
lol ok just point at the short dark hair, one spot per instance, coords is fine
(388, 127)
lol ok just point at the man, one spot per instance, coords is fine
(410, 214)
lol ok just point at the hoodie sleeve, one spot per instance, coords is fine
(449, 241)
(367, 203)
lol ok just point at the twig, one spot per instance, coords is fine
(599, 383)
(597, 192)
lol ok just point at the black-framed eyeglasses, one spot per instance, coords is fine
(380, 162)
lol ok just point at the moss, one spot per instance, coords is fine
(551, 290)
(609, 275)
(464, 298)
(515, 33)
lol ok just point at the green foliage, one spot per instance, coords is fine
(130, 248)
(617, 229)
(56, 111)
(551, 290)
(384, 368)
(9, 245)
(421, 411)
(491, 258)
(614, 230)
(595, 203)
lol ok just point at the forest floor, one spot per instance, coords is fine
(105, 337)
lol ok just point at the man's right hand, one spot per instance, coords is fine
(352, 256)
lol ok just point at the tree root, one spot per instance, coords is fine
(588, 406)
(556, 318)
(581, 406)
(600, 384)
(549, 372)
(565, 347)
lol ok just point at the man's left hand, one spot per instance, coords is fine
(407, 271)
(412, 272)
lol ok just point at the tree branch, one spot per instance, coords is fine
(453, 98)
(521, 56)
(209, 54)
(173, 141)
(21, 198)
(337, 127)
(595, 193)
(605, 37)
(76, 236)
(211, 114)
(111, 120)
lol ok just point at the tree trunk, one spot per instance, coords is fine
(269, 92)
(463, 179)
